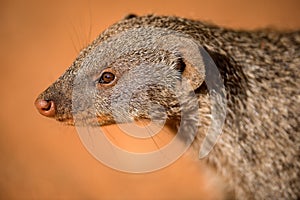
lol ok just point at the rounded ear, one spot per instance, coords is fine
(191, 57)
(192, 65)
(193, 74)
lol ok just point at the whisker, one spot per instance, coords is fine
(90, 23)
(112, 136)
(77, 38)
(149, 132)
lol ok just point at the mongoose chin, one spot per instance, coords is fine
(156, 67)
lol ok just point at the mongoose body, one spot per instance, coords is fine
(258, 152)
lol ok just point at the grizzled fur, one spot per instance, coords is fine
(258, 154)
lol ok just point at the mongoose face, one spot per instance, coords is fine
(126, 89)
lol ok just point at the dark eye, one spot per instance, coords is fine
(106, 78)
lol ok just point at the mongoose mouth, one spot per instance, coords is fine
(86, 121)
(48, 109)
(67, 121)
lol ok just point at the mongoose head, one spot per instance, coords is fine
(139, 68)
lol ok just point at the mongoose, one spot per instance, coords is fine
(258, 153)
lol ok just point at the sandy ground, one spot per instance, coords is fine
(42, 159)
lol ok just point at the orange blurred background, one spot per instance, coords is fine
(42, 159)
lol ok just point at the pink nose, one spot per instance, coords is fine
(46, 108)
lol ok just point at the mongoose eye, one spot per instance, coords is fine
(106, 78)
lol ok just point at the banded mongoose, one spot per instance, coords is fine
(258, 153)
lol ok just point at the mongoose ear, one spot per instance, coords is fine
(192, 67)
(190, 54)
(130, 15)
(193, 75)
